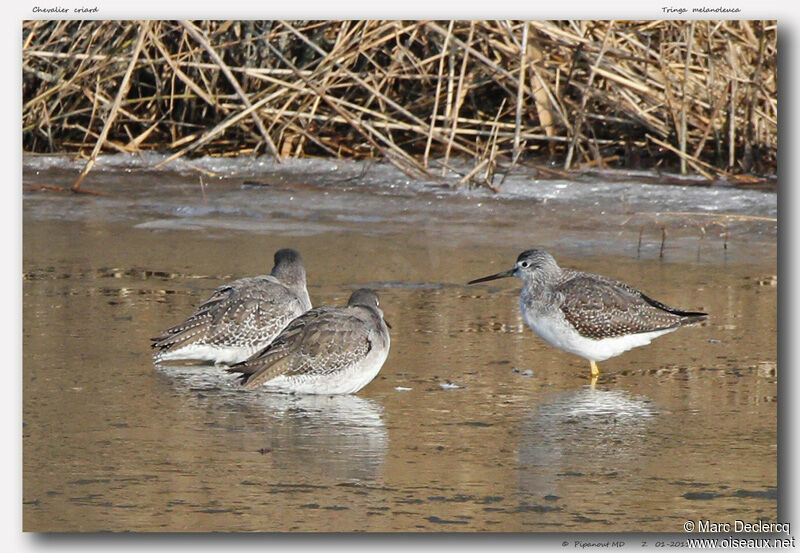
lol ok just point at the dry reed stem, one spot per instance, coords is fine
(123, 89)
(461, 92)
(695, 163)
(683, 129)
(436, 96)
(198, 36)
(523, 62)
(576, 129)
(179, 73)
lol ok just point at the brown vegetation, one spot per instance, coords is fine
(699, 95)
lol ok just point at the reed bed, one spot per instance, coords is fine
(694, 96)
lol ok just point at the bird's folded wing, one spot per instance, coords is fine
(603, 308)
(319, 342)
(196, 323)
(243, 312)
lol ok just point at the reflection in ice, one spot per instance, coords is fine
(199, 376)
(333, 438)
(589, 405)
(581, 431)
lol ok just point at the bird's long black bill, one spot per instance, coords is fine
(504, 274)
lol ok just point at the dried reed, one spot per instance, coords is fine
(700, 95)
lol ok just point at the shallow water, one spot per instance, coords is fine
(474, 424)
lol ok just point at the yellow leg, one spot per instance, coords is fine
(595, 370)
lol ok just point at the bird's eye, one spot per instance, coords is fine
(524, 264)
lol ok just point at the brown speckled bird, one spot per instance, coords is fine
(327, 350)
(240, 318)
(588, 315)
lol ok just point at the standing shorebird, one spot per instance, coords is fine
(585, 314)
(240, 318)
(327, 350)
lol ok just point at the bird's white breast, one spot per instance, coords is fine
(556, 331)
(207, 352)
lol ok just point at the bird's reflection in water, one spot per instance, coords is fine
(582, 433)
(332, 438)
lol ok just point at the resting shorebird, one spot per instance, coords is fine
(240, 318)
(585, 314)
(327, 350)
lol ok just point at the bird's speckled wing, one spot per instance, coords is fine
(322, 341)
(598, 307)
(240, 314)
